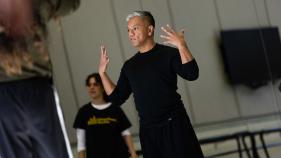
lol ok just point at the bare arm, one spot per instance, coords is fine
(82, 154)
(177, 39)
(81, 142)
(129, 141)
(108, 85)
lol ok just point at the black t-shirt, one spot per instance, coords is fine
(152, 78)
(103, 131)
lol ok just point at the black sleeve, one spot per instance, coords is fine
(188, 71)
(122, 90)
(80, 121)
(124, 121)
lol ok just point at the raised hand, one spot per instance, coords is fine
(177, 39)
(172, 37)
(104, 60)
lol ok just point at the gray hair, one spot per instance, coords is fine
(146, 14)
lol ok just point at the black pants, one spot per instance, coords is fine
(172, 138)
(29, 123)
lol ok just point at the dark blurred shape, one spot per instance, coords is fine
(252, 56)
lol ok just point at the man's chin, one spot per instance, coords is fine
(135, 44)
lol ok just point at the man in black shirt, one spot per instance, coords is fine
(151, 75)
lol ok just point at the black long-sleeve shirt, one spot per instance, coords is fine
(152, 78)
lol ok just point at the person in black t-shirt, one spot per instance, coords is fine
(151, 75)
(102, 128)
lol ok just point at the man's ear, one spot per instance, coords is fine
(150, 30)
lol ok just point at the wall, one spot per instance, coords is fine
(211, 99)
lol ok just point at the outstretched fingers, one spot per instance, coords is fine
(104, 55)
(168, 30)
(104, 59)
(171, 36)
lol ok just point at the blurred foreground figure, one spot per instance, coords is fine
(29, 121)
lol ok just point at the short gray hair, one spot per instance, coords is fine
(147, 14)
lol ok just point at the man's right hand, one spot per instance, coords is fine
(104, 60)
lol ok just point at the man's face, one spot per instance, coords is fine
(139, 31)
(95, 89)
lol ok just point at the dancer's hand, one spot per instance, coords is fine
(177, 39)
(172, 37)
(104, 60)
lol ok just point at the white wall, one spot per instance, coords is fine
(210, 99)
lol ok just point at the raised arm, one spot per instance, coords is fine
(117, 94)
(108, 85)
(185, 65)
(177, 39)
